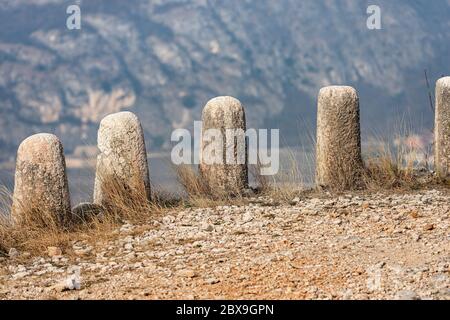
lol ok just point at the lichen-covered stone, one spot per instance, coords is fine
(338, 151)
(40, 179)
(122, 158)
(442, 127)
(222, 175)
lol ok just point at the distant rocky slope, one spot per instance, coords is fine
(165, 59)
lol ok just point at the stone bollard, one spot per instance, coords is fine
(223, 150)
(442, 128)
(40, 185)
(338, 151)
(122, 162)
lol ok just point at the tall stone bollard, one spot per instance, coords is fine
(122, 162)
(40, 181)
(442, 128)
(338, 151)
(223, 150)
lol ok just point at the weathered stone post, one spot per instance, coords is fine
(122, 161)
(223, 149)
(338, 151)
(442, 128)
(40, 185)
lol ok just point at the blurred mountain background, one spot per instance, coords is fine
(164, 59)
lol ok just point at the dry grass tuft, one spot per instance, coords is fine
(400, 166)
(192, 182)
(34, 231)
(385, 170)
(288, 184)
(124, 201)
(198, 193)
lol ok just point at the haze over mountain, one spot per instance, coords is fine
(165, 59)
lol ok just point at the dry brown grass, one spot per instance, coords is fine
(386, 169)
(287, 184)
(192, 182)
(402, 159)
(125, 200)
(197, 191)
(37, 230)
(398, 166)
(32, 229)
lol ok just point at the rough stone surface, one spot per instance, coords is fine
(338, 153)
(352, 246)
(224, 113)
(123, 156)
(85, 211)
(40, 178)
(442, 127)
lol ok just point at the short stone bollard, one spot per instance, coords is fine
(41, 185)
(442, 128)
(338, 151)
(223, 150)
(122, 162)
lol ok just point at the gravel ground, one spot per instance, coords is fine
(356, 246)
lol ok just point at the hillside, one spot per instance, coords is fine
(165, 59)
